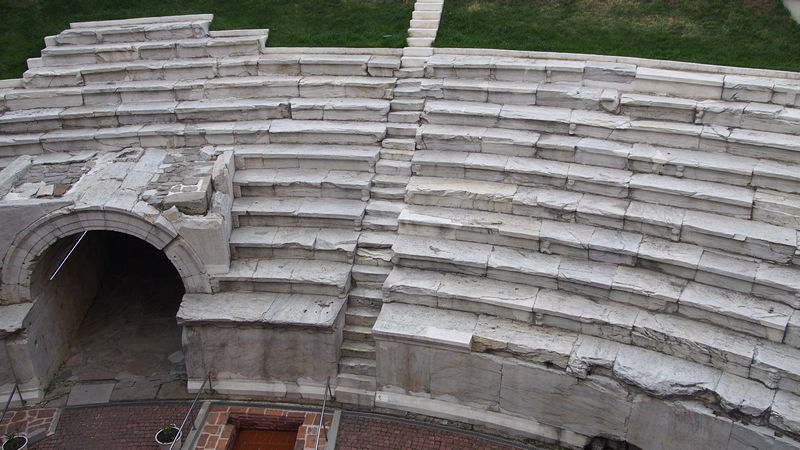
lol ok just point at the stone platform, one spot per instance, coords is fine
(548, 246)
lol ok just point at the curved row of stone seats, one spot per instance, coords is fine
(773, 364)
(133, 30)
(190, 111)
(216, 44)
(573, 192)
(600, 125)
(602, 281)
(591, 385)
(722, 113)
(591, 243)
(699, 82)
(332, 64)
(18, 100)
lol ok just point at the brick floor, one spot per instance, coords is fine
(113, 427)
(369, 433)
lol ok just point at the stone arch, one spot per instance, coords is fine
(149, 226)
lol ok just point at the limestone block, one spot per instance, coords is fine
(567, 239)
(565, 96)
(453, 256)
(542, 119)
(779, 176)
(609, 72)
(481, 195)
(749, 437)
(207, 237)
(785, 92)
(523, 266)
(456, 89)
(725, 271)
(403, 365)
(473, 379)
(601, 181)
(606, 212)
(21, 99)
(640, 106)
(582, 315)
(530, 171)
(704, 166)
(702, 343)
(673, 258)
(509, 93)
(600, 125)
(596, 152)
(329, 132)
(594, 406)
(419, 325)
(768, 117)
(740, 394)
(676, 425)
(590, 353)
(777, 365)
(763, 144)
(722, 113)
(777, 208)
(546, 203)
(557, 147)
(783, 414)
(523, 341)
(777, 283)
(646, 289)
(411, 286)
(678, 83)
(664, 376)
(585, 277)
(487, 296)
(713, 197)
(278, 64)
(461, 113)
(744, 88)
(334, 64)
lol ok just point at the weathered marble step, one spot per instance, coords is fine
(297, 211)
(600, 125)
(307, 156)
(326, 132)
(262, 308)
(355, 109)
(510, 93)
(297, 276)
(293, 243)
(332, 65)
(347, 380)
(357, 333)
(360, 296)
(381, 215)
(358, 349)
(445, 242)
(205, 47)
(372, 222)
(700, 342)
(638, 158)
(718, 198)
(370, 276)
(376, 256)
(302, 183)
(361, 315)
(357, 366)
(133, 30)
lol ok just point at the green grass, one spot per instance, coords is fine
(318, 23)
(749, 33)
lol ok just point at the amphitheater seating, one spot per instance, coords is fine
(587, 217)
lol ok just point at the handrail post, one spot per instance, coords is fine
(322, 413)
(194, 402)
(11, 397)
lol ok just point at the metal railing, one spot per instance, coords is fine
(11, 397)
(322, 414)
(194, 402)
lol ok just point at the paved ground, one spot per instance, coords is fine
(113, 426)
(133, 426)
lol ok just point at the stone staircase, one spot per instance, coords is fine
(623, 232)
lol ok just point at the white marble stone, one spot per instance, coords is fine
(664, 376)
(524, 341)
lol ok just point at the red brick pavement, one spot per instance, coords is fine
(114, 427)
(364, 433)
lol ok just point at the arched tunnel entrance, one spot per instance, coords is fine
(113, 302)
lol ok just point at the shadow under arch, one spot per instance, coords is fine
(42, 341)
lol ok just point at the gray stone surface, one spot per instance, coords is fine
(90, 394)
